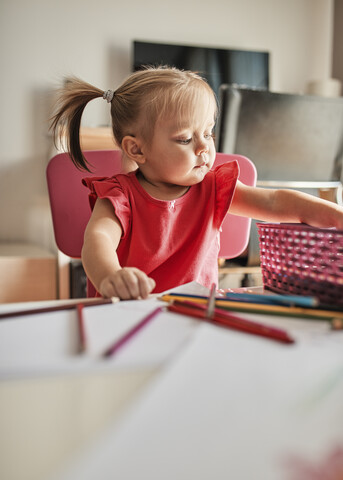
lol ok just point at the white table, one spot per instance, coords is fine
(223, 405)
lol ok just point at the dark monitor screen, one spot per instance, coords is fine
(217, 65)
(287, 136)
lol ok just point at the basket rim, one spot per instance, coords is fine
(297, 226)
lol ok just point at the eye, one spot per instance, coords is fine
(209, 135)
(184, 141)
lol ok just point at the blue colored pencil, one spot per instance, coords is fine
(285, 300)
(288, 300)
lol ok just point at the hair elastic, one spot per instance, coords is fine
(108, 95)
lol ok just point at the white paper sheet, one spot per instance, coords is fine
(232, 406)
(49, 343)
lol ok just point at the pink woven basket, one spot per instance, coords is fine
(302, 260)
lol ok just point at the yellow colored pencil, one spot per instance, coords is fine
(314, 313)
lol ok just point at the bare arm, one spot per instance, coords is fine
(282, 205)
(99, 258)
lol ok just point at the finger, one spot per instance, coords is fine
(107, 289)
(124, 285)
(152, 283)
(145, 284)
(130, 278)
(114, 287)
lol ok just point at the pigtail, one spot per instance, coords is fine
(65, 123)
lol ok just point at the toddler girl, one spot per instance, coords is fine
(157, 226)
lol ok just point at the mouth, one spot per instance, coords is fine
(203, 160)
(203, 164)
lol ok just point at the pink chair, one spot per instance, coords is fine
(71, 211)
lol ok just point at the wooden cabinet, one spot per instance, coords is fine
(27, 273)
(97, 138)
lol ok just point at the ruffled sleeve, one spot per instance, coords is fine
(110, 188)
(226, 176)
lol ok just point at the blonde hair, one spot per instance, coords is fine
(136, 105)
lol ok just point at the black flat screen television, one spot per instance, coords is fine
(218, 65)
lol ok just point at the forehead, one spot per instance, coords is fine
(197, 108)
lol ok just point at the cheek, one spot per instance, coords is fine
(178, 166)
(177, 159)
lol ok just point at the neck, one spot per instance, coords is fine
(160, 190)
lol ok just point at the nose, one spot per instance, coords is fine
(201, 148)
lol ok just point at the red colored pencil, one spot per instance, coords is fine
(69, 305)
(225, 319)
(127, 336)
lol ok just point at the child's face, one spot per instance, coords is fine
(182, 149)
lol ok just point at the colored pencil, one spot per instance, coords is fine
(311, 313)
(81, 325)
(228, 320)
(131, 333)
(91, 302)
(282, 310)
(211, 302)
(285, 300)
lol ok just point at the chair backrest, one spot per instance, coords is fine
(69, 202)
(71, 211)
(234, 237)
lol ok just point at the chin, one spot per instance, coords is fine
(197, 179)
(201, 171)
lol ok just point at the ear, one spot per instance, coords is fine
(132, 147)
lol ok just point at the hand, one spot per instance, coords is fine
(127, 283)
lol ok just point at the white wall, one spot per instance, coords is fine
(337, 57)
(43, 40)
